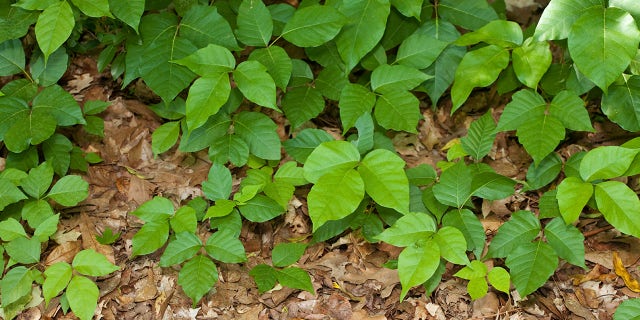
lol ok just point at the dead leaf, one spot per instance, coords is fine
(622, 272)
(64, 252)
(87, 228)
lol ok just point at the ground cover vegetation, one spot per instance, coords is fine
(224, 69)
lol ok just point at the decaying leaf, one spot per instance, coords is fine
(621, 271)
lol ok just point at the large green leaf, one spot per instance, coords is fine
(59, 103)
(531, 265)
(409, 229)
(478, 68)
(545, 172)
(11, 229)
(619, 206)
(628, 310)
(303, 144)
(313, 25)
(416, 264)
(520, 230)
(69, 190)
(355, 100)
(57, 276)
(287, 253)
(29, 128)
(540, 136)
(296, 278)
(24, 250)
(524, 105)
(559, 15)
(158, 209)
(256, 84)
(128, 11)
(259, 132)
(93, 8)
(469, 14)
(334, 196)
(566, 240)
(11, 57)
(367, 22)
(209, 61)
(164, 137)
(479, 139)
(398, 110)
(622, 103)
(573, 194)
(260, 209)
(420, 50)
(9, 193)
(15, 22)
(301, 104)
(226, 247)
(215, 128)
(38, 181)
(606, 162)
(331, 157)
(602, 43)
(49, 72)
(569, 108)
(384, 179)
(498, 32)
(453, 246)
(15, 285)
(91, 263)
(197, 277)
(277, 62)
(230, 147)
(206, 96)
(54, 27)
(82, 295)
(531, 61)
(491, 185)
(203, 25)
(184, 247)
(454, 188)
(386, 78)
(255, 26)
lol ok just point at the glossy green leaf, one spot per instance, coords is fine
(11, 57)
(259, 132)
(226, 247)
(150, 237)
(330, 157)
(453, 246)
(497, 32)
(222, 208)
(69, 191)
(9, 193)
(285, 254)
(229, 148)
(474, 269)
(416, 264)
(280, 191)
(573, 194)
(255, 26)
(398, 110)
(301, 104)
(11, 229)
(544, 173)
(531, 61)
(261, 209)
(91, 263)
(444, 67)
(622, 103)
(334, 196)
(203, 25)
(421, 175)
(264, 276)
(93, 8)
(24, 250)
(256, 84)
(367, 22)
(500, 279)
(602, 43)
(520, 230)
(59, 103)
(479, 139)
(606, 162)
(566, 240)
(559, 16)
(30, 128)
(355, 100)
(619, 206)
(478, 68)
(49, 72)
(15, 285)
(82, 295)
(628, 310)
(469, 14)
(184, 220)
(164, 137)
(206, 96)
(524, 105)
(289, 172)
(277, 62)
(197, 277)
(408, 8)
(305, 143)
(313, 25)
(209, 61)
(54, 27)
(36, 212)
(57, 276)
(454, 188)
(540, 136)
(295, 278)
(409, 229)
(385, 181)
(128, 11)
(331, 81)
(387, 79)
(38, 181)
(569, 108)
(477, 288)
(491, 186)
(531, 265)
(158, 209)
(218, 184)
(420, 50)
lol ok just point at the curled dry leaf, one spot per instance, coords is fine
(622, 272)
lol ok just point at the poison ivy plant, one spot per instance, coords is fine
(282, 257)
(477, 273)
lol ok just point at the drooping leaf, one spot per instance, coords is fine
(416, 264)
(313, 25)
(569, 108)
(277, 62)
(385, 181)
(606, 162)
(9, 193)
(470, 226)
(69, 190)
(540, 136)
(520, 230)
(164, 137)
(398, 110)
(218, 184)
(302, 104)
(355, 100)
(335, 157)
(91, 263)
(524, 105)
(128, 11)
(387, 78)
(622, 103)
(500, 279)
(209, 61)
(11, 229)
(491, 185)
(206, 96)
(452, 245)
(57, 276)
(619, 206)
(54, 27)
(256, 84)
(12, 58)
(566, 240)
(334, 196)
(224, 246)
(409, 229)
(454, 188)
(531, 61)
(479, 138)
(82, 295)
(559, 16)
(497, 32)
(259, 132)
(255, 26)
(420, 50)
(469, 14)
(197, 277)
(573, 194)
(531, 265)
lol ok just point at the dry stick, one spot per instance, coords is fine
(596, 231)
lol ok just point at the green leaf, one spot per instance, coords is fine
(264, 276)
(15, 22)
(602, 43)
(477, 288)
(421, 175)
(387, 79)
(260, 209)
(255, 26)
(23, 250)
(59, 103)
(335, 157)
(229, 148)
(622, 103)
(367, 22)
(469, 14)
(454, 188)
(619, 206)
(47, 227)
(150, 237)
(158, 209)
(184, 247)
(164, 137)
(82, 295)
(520, 230)
(420, 50)
(38, 181)
(474, 269)
(222, 208)
(559, 17)
(184, 220)
(569, 108)
(94, 126)
(11, 57)
(211, 60)
(281, 13)
(334, 196)
(206, 96)
(531, 265)
(277, 62)
(9, 193)
(259, 132)
(540, 136)
(478, 68)
(305, 142)
(295, 278)
(300, 73)
(628, 310)
(573, 194)
(280, 191)
(93, 8)
(91, 263)
(331, 81)
(606, 162)
(366, 133)
(409, 229)
(479, 138)
(226, 247)
(31, 128)
(408, 8)
(11, 229)
(285, 254)
(398, 110)
(384, 179)
(218, 184)
(290, 173)
(500, 279)
(524, 105)
(301, 104)
(15, 285)
(203, 25)
(313, 25)
(69, 191)
(54, 27)
(57, 276)
(355, 100)
(36, 212)
(497, 32)
(416, 264)
(453, 246)
(531, 61)
(108, 237)
(22, 89)
(197, 277)
(545, 172)
(128, 11)
(256, 84)
(566, 240)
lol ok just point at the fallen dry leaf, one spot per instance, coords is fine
(621, 271)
